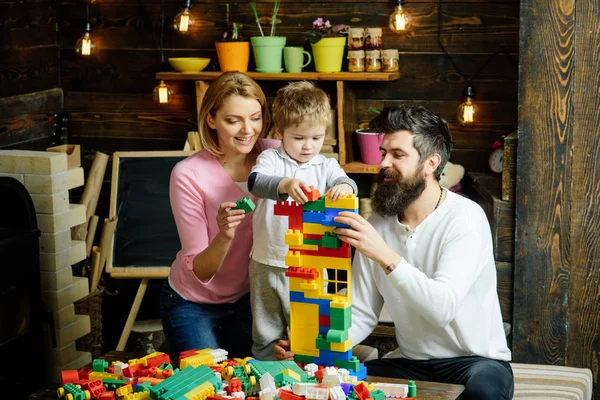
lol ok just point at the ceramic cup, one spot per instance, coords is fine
(293, 57)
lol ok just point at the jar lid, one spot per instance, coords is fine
(357, 31)
(356, 54)
(373, 31)
(389, 53)
(373, 53)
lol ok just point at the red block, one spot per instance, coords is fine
(304, 273)
(95, 387)
(324, 320)
(132, 370)
(289, 395)
(158, 360)
(69, 376)
(107, 395)
(84, 373)
(312, 194)
(362, 391)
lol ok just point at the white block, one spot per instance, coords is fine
(337, 393)
(51, 203)
(56, 280)
(32, 162)
(55, 242)
(50, 223)
(50, 184)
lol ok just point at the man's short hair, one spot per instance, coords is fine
(431, 132)
(300, 102)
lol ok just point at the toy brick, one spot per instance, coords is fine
(63, 355)
(293, 238)
(337, 336)
(56, 300)
(50, 223)
(316, 229)
(56, 280)
(64, 316)
(342, 347)
(317, 205)
(309, 286)
(245, 204)
(347, 202)
(32, 162)
(50, 184)
(352, 364)
(78, 251)
(55, 242)
(331, 241)
(304, 273)
(318, 262)
(312, 194)
(19, 177)
(341, 318)
(83, 358)
(309, 217)
(344, 251)
(316, 242)
(322, 344)
(294, 259)
(51, 203)
(73, 152)
(324, 320)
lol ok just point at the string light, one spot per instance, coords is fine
(184, 20)
(467, 111)
(162, 93)
(84, 46)
(399, 20)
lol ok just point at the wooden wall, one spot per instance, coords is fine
(29, 73)
(557, 308)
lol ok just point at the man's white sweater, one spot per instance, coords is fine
(442, 296)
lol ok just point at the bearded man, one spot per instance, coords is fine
(427, 253)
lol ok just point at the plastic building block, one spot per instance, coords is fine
(123, 390)
(156, 359)
(347, 202)
(392, 389)
(324, 320)
(412, 389)
(330, 241)
(294, 259)
(96, 388)
(352, 364)
(245, 204)
(322, 344)
(316, 229)
(317, 205)
(99, 365)
(294, 238)
(108, 395)
(72, 392)
(304, 273)
(312, 194)
(361, 391)
(337, 336)
(312, 217)
(69, 376)
(340, 318)
(341, 347)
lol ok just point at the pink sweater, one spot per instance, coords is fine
(199, 184)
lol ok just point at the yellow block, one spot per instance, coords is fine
(341, 347)
(311, 247)
(304, 323)
(316, 229)
(294, 259)
(201, 392)
(347, 202)
(319, 262)
(294, 238)
(293, 374)
(341, 301)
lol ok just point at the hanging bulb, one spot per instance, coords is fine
(399, 19)
(184, 20)
(162, 93)
(84, 45)
(467, 111)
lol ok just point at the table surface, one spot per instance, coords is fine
(425, 390)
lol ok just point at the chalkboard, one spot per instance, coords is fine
(145, 241)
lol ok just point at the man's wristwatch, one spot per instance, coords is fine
(390, 267)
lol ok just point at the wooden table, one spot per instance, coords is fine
(425, 390)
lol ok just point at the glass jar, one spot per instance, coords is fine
(373, 38)
(373, 63)
(356, 39)
(389, 60)
(356, 60)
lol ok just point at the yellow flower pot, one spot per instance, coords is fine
(328, 54)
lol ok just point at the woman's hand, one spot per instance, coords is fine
(338, 190)
(228, 220)
(293, 187)
(282, 351)
(364, 238)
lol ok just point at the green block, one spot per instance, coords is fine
(312, 241)
(340, 318)
(245, 204)
(113, 384)
(353, 364)
(303, 359)
(337, 336)
(99, 365)
(331, 241)
(318, 205)
(322, 344)
(378, 395)
(284, 379)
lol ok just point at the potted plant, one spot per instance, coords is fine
(268, 50)
(233, 50)
(328, 42)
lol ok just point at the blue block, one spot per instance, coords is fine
(326, 358)
(312, 217)
(323, 330)
(333, 212)
(297, 297)
(328, 221)
(324, 309)
(347, 388)
(361, 374)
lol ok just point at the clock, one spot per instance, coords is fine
(496, 160)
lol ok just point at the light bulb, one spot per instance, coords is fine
(84, 45)
(183, 21)
(467, 111)
(162, 93)
(399, 20)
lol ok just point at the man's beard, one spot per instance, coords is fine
(394, 197)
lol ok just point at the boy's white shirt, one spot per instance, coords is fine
(268, 229)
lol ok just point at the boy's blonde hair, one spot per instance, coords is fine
(226, 85)
(299, 102)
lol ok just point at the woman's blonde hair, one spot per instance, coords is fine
(226, 85)
(300, 102)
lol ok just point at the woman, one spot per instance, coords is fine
(205, 302)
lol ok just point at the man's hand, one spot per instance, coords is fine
(365, 238)
(293, 188)
(282, 351)
(338, 190)
(229, 219)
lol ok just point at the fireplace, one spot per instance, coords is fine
(21, 311)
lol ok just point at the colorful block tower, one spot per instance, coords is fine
(319, 268)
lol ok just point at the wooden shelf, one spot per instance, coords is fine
(284, 76)
(357, 167)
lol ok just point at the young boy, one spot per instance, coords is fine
(301, 113)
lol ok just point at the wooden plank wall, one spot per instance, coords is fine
(557, 309)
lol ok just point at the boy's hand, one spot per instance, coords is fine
(293, 187)
(337, 191)
(229, 219)
(282, 351)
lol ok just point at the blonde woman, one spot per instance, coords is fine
(205, 301)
